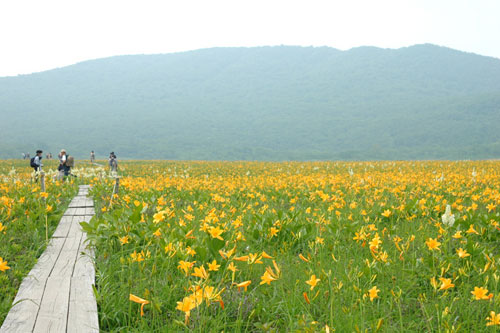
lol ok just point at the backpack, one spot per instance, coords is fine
(32, 163)
(70, 161)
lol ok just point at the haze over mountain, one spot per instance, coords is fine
(266, 103)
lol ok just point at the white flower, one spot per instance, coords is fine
(448, 218)
(441, 178)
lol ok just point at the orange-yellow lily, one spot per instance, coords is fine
(481, 293)
(139, 300)
(313, 281)
(445, 283)
(243, 284)
(3, 265)
(200, 272)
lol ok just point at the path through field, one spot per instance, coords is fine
(57, 294)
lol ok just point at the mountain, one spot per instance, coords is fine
(264, 103)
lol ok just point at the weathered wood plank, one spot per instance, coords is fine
(76, 202)
(80, 211)
(84, 267)
(90, 211)
(65, 264)
(75, 229)
(47, 260)
(63, 227)
(82, 316)
(81, 202)
(53, 313)
(85, 218)
(22, 315)
(70, 212)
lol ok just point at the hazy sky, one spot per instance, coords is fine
(37, 35)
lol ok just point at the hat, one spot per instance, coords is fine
(63, 151)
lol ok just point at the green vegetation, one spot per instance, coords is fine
(269, 103)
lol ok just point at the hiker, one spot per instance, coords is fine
(62, 164)
(24, 156)
(36, 163)
(92, 157)
(113, 163)
(66, 162)
(70, 162)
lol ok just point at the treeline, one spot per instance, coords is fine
(268, 103)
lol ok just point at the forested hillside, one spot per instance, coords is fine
(265, 103)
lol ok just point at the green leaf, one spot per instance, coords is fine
(215, 245)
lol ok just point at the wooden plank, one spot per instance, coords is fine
(84, 266)
(90, 211)
(22, 315)
(76, 202)
(75, 229)
(81, 202)
(80, 211)
(63, 227)
(47, 260)
(70, 211)
(82, 316)
(65, 264)
(85, 218)
(53, 313)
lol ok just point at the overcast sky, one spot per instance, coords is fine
(37, 35)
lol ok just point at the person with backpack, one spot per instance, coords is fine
(36, 163)
(66, 162)
(62, 161)
(113, 163)
(70, 162)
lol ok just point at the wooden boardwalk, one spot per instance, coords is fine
(57, 295)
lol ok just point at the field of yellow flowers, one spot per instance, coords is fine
(318, 246)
